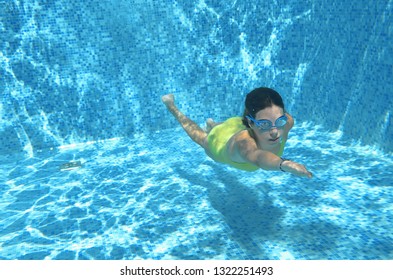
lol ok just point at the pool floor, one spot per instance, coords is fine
(158, 196)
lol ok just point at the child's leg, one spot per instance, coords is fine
(197, 134)
(210, 124)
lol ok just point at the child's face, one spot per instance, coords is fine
(271, 137)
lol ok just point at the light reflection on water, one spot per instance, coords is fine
(160, 197)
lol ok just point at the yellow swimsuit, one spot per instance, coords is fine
(219, 137)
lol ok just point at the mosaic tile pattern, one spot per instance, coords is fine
(84, 72)
(133, 199)
(73, 71)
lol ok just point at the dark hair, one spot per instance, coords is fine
(259, 99)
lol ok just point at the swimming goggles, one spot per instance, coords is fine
(268, 125)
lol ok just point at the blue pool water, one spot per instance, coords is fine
(81, 83)
(145, 199)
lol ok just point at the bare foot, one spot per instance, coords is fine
(209, 124)
(168, 99)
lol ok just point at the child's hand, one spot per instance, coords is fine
(296, 169)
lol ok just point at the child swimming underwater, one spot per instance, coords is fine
(253, 141)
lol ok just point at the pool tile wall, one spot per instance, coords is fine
(74, 71)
